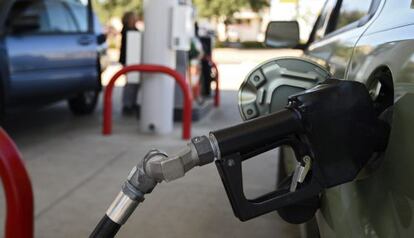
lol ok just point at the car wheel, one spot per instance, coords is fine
(84, 103)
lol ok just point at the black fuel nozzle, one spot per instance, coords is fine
(333, 130)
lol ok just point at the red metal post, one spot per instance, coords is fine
(187, 107)
(18, 190)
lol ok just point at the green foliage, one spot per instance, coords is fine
(217, 8)
(206, 8)
(116, 8)
(226, 8)
(257, 5)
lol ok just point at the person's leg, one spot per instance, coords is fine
(129, 98)
(206, 78)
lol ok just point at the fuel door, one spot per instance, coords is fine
(267, 87)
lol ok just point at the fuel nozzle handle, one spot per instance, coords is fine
(333, 130)
(258, 135)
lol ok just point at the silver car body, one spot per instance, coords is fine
(380, 202)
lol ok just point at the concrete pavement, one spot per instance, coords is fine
(76, 172)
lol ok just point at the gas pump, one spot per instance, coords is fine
(168, 28)
(332, 127)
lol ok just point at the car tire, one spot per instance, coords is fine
(84, 103)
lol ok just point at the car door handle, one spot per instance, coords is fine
(85, 40)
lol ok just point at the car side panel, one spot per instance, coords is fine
(335, 52)
(380, 202)
(43, 66)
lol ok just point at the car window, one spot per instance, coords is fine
(322, 24)
(97, 26)
(351, 11)
(60, 18)
(79, 11)
(28, 12)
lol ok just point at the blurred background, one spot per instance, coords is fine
(238, 27)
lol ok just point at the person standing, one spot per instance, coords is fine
(130, 90)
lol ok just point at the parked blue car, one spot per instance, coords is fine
(50, 50)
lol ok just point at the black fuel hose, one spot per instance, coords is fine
(106, 228)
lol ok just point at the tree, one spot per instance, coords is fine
(226, 8)
(116, 8)
(257, 5)
(207, 8)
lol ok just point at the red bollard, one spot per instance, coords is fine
(18, 190)
(187, 109)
